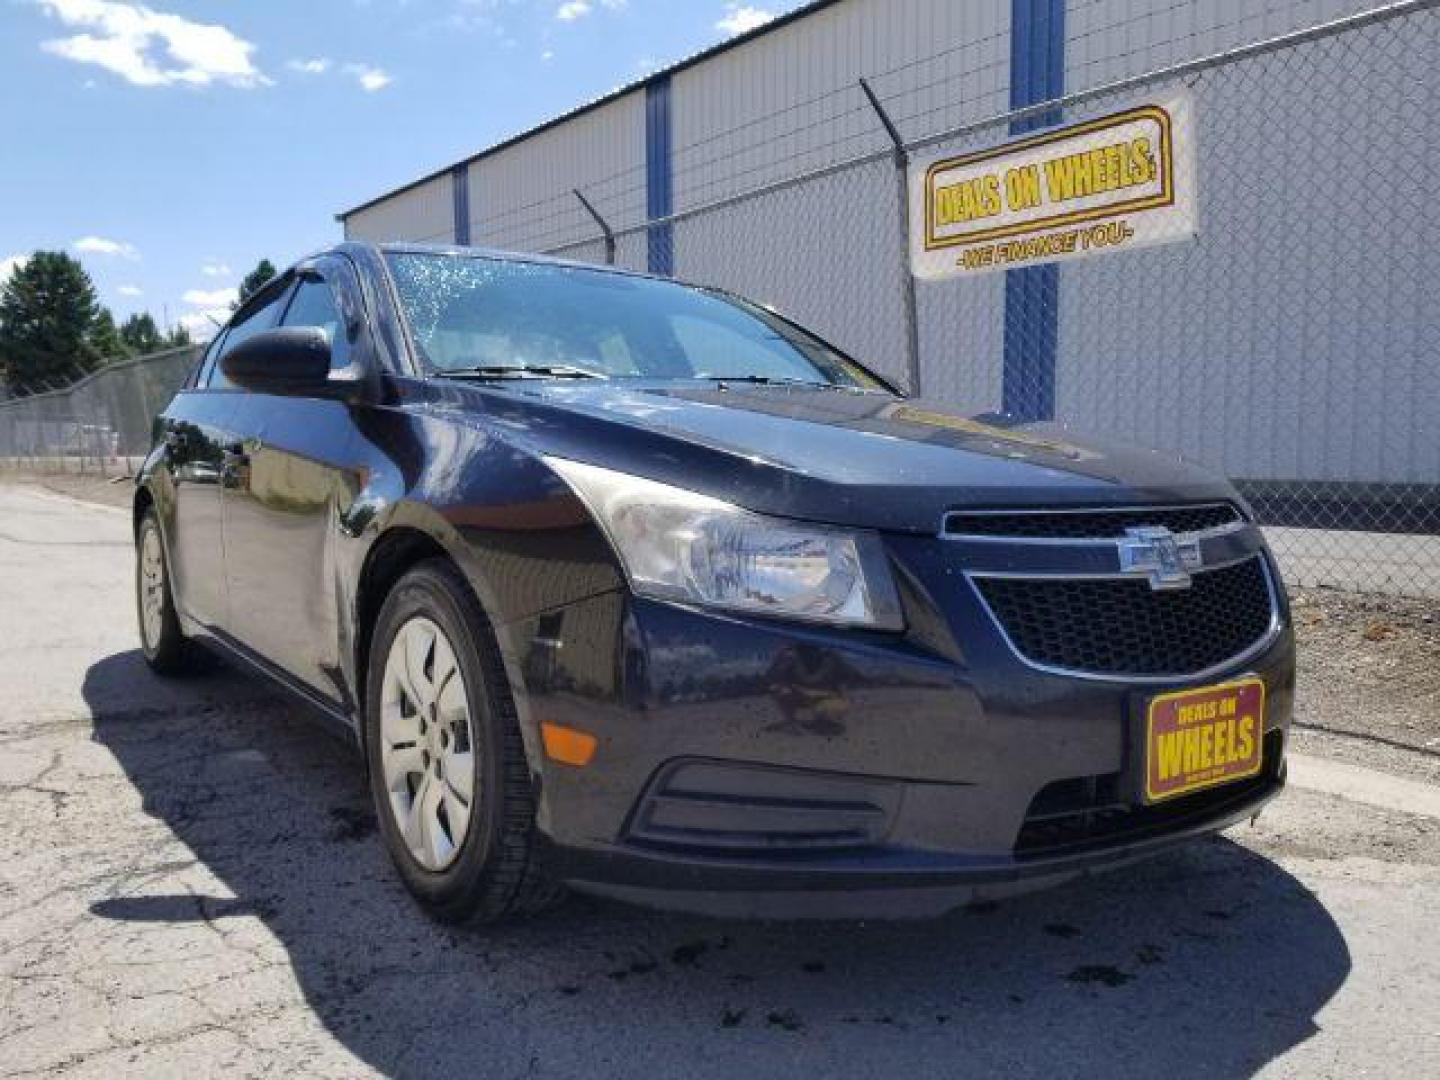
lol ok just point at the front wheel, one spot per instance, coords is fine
(161, 640)
(447, 767)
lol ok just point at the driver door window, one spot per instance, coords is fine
(314, 305)
(264, 315)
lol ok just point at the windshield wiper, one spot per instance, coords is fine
(770, 380)
(761, 380)
(521, 371)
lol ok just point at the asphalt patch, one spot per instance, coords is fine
(688, 954)
(350, 824)
(1099, 974)
(785, 1020)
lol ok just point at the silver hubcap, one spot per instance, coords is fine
(152, 587)
(426, 743)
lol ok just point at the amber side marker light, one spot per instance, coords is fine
(566, 745)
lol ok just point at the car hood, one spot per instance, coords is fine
(845, 457)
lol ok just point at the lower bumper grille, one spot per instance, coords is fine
(1090, 811)
(1121, 626)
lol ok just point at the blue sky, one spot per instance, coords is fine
(171, 144)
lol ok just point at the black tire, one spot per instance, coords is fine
(164, 646)
(496, 872)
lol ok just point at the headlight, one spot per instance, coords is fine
(678, 545)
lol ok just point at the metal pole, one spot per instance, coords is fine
(604, 227)
(146, 417)
(902, 187)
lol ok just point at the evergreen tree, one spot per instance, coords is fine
(140, 333)
(105, 340)
(255, 280)
(179, 337)
(47, 312)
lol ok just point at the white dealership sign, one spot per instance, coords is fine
(1111, 184)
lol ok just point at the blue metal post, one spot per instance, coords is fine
(658, 177)
(1032, 294)
(460, 191)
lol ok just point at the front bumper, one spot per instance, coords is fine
(756, 768)
(882, 883)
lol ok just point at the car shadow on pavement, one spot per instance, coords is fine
(1209, 961)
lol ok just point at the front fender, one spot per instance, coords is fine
(522, 539)
(153, 485)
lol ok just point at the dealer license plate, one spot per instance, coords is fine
(1196, 739)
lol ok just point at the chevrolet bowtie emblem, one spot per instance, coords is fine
(1156, 552)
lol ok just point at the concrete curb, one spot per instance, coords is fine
(1363, 785)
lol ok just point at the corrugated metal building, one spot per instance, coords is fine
(1257, 349)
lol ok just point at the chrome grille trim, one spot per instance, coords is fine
(1140, 513)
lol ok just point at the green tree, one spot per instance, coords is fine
(255, 280)
(105, 340)
(179, 337)
(140, 333)
(47, 310)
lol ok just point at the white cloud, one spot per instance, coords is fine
(578, 9)
(548, 55)
(10, 264)
(151, 48)
(369, 78)
(215, 269)
(315, 66)
(213, 309)
(742, 18)
(204, 325)
(212, 298)
(130, 290)
(99, 245)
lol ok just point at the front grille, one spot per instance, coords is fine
(1088, 524)
(1071, 815)
(1121, 626)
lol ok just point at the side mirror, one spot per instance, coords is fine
(290, 360)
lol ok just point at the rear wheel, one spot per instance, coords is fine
(161, 640)
(447, 767)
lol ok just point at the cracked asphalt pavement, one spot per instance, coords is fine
(189, 884)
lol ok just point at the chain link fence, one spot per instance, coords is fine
(1293, 346)
(101, 424)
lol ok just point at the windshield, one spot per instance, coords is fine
(480, 315)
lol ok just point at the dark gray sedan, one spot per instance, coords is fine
(640, 588)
